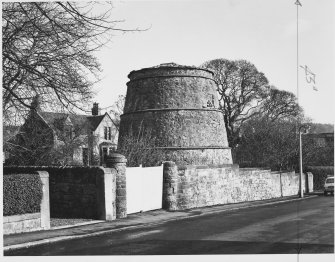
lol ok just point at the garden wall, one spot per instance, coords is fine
(197, 186)
(79, 192)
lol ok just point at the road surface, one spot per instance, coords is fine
(305, 226)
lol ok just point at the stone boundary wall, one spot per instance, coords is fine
(31, 222)
(79, 192)
(21, 223)
(187, 187)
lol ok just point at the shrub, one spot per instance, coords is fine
(22, 193)
(140, 149)
(320, 174)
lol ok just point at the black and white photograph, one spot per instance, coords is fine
(157, 130)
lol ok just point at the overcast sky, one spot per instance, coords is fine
(260, 31)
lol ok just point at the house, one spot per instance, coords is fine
(322, 139)
(64, 139)
(318, 149)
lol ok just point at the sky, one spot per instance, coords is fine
(261, 31)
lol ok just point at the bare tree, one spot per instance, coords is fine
(47, 49)
(241, 89)
(139, 149)
(117, 110)
(280, 105)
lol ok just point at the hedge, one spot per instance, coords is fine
(320, 173)
(22, 193)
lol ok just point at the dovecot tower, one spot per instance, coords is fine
(179, 105)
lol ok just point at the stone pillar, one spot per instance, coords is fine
(309, 184)
(170, 184)
(106, 184)
(45, 203)
(118, 162)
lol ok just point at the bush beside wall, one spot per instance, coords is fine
(22, 193)
(320, 173)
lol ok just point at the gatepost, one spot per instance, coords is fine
(45, 203)
(118, 162)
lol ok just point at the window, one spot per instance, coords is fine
(108, 133)
(105, 132)
(330, 180)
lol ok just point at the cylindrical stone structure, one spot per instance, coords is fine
(179, 105)
(118, 162)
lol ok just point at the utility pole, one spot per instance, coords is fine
(297, 3)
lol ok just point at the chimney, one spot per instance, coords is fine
(95, 109)
(35, 103)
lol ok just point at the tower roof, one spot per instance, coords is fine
(170, 65)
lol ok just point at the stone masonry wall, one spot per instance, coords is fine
(197, 186)
(79, 192)
(76, 193)
(73, 194)
(21, 223)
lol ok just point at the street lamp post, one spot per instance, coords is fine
(297, 3)
(302, 130)
(300, 165)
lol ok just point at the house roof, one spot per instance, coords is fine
(95, 120)
(57, 120)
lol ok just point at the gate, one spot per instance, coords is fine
(144, 188)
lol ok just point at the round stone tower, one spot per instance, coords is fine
(179, 105)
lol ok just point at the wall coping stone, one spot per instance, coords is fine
(184, 167)
(252, 168)
(108, 170)
(282, 172)
(42, 174)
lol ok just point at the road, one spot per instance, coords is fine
(305, 226)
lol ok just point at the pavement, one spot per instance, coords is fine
(133, 221)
